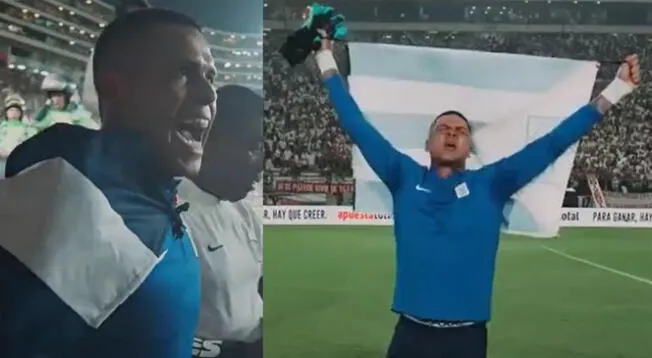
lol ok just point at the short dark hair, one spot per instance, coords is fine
(239, 116)
(125, 6)
(454, 113)
(240, 108)
(111, 43)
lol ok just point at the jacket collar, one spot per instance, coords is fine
(137, 164)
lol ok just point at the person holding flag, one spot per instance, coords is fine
(444, 262)
(217, 216)
(95, 260)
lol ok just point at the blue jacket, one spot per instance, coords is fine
(160, 318)
(446, 245)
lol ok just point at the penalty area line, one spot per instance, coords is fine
(598, 266)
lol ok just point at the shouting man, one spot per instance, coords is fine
(445, 264)
(95, 261)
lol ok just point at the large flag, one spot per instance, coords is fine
(62, 228)
(95, 259)
(509, 99)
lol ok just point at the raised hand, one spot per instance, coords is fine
(630, 71)
(326, 43)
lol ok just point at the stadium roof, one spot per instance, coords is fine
(229, 16)
(483, 2)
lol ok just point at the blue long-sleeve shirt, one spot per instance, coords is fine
(446, 246)
(159, 319)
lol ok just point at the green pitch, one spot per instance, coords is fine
(328, 290)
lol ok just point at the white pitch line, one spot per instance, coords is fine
(598, 266)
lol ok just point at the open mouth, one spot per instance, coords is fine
(450, 146)
(193, 133)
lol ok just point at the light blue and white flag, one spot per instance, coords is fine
(510, 100)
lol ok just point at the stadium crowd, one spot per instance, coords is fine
(33, 102)
(25, 83)
(302, 134)
(481, 12)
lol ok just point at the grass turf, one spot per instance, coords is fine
(328, 292)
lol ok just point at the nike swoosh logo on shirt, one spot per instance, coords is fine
(214, 248)
(420, 188)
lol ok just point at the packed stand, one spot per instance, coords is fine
(300, 132)
(479, 12)
(302, 135)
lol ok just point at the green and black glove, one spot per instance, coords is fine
(304, 41)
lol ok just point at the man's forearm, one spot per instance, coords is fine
(614, 92)
(529, 162)
(376, 149)
(601, 104)
(328, 73)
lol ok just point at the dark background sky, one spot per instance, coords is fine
(229, 15)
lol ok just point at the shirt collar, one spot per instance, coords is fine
(189, 191)
(137, 162)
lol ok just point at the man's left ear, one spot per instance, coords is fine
(425, 145)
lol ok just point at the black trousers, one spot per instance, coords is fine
(414, 340)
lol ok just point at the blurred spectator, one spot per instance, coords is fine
(39, 108)
(14, 127)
